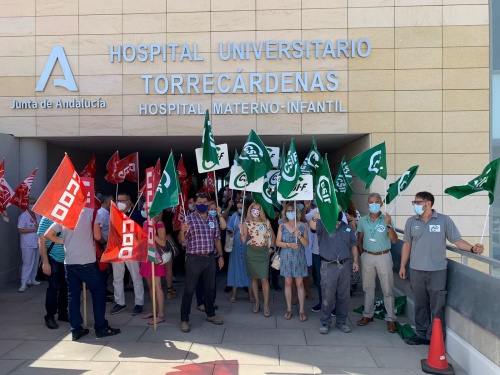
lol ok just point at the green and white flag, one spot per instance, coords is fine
(167, 192)
(342, 188)
(312, 162)
(486, 181)
(208, 142)
(347, 171)
(326, 197)
(254, 158)
(400, 184)
(290, 173)
(369, 164)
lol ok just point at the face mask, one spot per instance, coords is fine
(99, 196)
(374, 208)
(225, 193)
(290, 215)
(340, 216)
(144, 215)
(255, 212)
(212, 213)
(300, 206)
(314, 202)
(121, 206)
(191, 206)
(202, 207)
(419, 209)
(240, 212)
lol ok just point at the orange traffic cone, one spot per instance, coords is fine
(436, 362)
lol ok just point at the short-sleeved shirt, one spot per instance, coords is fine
(258, 232)
(202, 234)
(428, 241)
(335, 246)
(79, 245)
(26, 221)
(102, 218)
(313, 239)
(375, 233)
(57, 252)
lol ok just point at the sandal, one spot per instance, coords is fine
(232, 299)
(288, 315)
(147, 316)
(267, 311)
(256, 307)
(302, 317)
(159, 319)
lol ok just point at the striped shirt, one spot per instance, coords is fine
(57, 252)
(202, 234)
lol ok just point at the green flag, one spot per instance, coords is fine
(486, 181)
(254, 158)
(167, 192)
(290, 173)
(208, 142)
(326, 198)
(312, 162)
(400, 184)
(342, 188)
(369, 164)
(347, 171)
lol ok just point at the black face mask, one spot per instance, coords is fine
(340, 216)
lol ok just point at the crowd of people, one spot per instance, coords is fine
(358, 250)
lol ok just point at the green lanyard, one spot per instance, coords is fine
(372, 230)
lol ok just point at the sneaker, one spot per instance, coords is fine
(117, 309)
(22, 288)
(365, 321)
(108, 332)
(214, 319)
(317, 308)
(185, 327)
(343, 327)
(137, 310)
(391, 327)
(51, 323)
(76, 336)
(324, 329)
(34, 282)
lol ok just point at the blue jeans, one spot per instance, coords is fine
(76, 275)
(56, 299)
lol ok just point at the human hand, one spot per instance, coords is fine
(219, 210)
(47, 269)
(402, 273)
(355, 267)
(316, 215)
(293, 245)
(387, 219)
(221, 262)
(185, 227)
(478, 248)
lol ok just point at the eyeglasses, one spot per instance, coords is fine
(417, 202)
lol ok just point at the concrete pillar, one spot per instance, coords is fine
(32, 154)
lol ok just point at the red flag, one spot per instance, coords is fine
(63, 199)
(211, 182)
(90, 169)
(181, 170)
(126, 240)
(22, 192)
(111, 167)
(5, 193)
(157, 174)
(88, 190)
(128, 168)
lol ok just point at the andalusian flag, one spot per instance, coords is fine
(254, 158)
(290, 173)
(312, 162)
(342, 188)
(400, 184)
(167, 192)
(208, 142)
(486, 181)
(326, 198)
(370, 163)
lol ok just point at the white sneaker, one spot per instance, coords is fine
(34, 282)
(22, 288)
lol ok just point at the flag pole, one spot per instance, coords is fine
(295, 209)
(485, 222)
(84, 305)
(395, 203)
(116, 195)
(135, 205)
(153, 285)
(216, 195)
(385, 189)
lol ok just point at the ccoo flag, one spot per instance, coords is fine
(5, 193)
(167, 192)
(326, 198)
(370, 163)
(290, 173)
(90, 169)
(21, 193)
(254, 158)
(400, 184)
(312, 162)
(486, 181)
(208, 142)
(342, 188)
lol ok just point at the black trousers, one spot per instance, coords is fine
(56, 299)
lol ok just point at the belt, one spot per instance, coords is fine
(334, 261)
(202, 255)
(378, 253)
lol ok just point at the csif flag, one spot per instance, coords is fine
(90, 169)
(64, 197)
(111, 167)
(128, 168)
(127, 241)
(486, 181)
(254, 158)
(326, 198)
(290, 172)
(5, 193)
(268, 198)
(342, 188)
(167, 192)
(21, 194)
(400, 184)
(312, 162)
(235, 162)
(370, 163)
(347, 171)
(208, 142)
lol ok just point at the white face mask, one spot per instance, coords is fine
(192, 207)
(31, 206)
(255, 212)
(122, 206)
(144, 215)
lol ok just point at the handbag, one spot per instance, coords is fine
(276, 261)
(228, 247)
(163, 254)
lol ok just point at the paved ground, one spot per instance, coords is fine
(247, 343)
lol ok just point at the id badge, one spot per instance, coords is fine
(372, 240)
